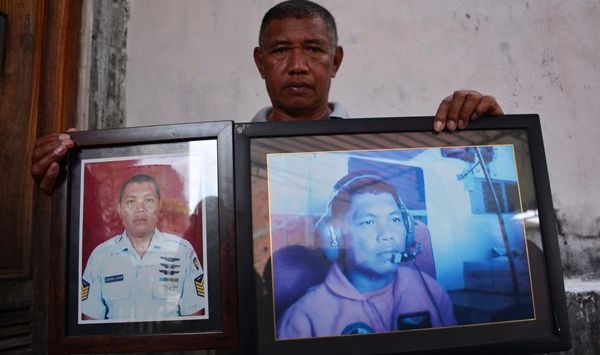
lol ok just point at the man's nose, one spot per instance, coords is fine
(297, 61)
(140, 205)
(385, 233)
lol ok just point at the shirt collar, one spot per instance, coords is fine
(337, 112)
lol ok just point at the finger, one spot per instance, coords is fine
(472, 100)
(46, 144)
(458, 99)
(49, 179)
(487, 106)
(40, 167)
(441, 115)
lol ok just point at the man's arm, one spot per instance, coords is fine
(47, 152)
(463, 106)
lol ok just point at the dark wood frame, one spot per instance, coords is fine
(3, 20)
(226, 336)
(550, 293)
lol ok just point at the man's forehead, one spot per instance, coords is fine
(140, 187)
(372, 200)
(291, 28)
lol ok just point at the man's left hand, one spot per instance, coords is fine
(458, 109)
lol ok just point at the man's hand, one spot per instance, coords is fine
(48, 151)
(463, 106)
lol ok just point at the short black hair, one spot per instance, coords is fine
(138, 179)
(356, 183)
(298, 9)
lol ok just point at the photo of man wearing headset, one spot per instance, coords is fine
(367, 231)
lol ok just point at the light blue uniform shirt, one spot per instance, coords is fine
(166, 283)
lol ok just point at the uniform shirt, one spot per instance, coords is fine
(337, 111)
(335, 307)
(166, 283)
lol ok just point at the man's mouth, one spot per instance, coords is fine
(298, 86)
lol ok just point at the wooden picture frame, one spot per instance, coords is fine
(178, 294)
(289, 179)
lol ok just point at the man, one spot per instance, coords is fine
(367, 230)
(142, 274)
(298, 55)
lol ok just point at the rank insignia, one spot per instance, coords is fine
(85, 289)
(199, 282)
(196, 263)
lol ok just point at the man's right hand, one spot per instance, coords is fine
(48, 151)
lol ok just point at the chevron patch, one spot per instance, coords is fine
(85, 289)
(199, 282)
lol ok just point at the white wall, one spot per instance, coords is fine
(190, 60)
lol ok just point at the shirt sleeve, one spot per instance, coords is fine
(193, 294)
(91, 293)
(294, 323)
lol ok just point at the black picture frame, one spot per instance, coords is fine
(547, 331)
(217, 327)
(3, 22)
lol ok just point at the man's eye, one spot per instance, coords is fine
(366, 222)
(397, 219)
(314, 49)
(150, 200)
(130, 202)
(280, 50)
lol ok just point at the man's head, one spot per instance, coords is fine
(298, 56)
(139, 205)
(369, 223)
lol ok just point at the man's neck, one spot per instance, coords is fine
(278, 114)
(140, 243)
(367, 282)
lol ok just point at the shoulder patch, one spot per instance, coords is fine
(196, 263)
(199, 283)
(85, 289)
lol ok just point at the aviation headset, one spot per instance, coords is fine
(328, 227)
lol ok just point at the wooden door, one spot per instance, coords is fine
(38, 91)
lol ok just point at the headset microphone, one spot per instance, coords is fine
(398, 258)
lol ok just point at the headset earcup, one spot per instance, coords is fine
(329, 238)
(410, 225)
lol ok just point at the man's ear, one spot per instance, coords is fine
(258, 60)
(337, 60)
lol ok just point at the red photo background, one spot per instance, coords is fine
(100, 215)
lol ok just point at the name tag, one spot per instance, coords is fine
(113, 278)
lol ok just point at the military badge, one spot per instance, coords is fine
(199, 282)
(85, 289)
(196, 264)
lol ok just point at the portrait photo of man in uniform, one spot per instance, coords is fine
(142, 245)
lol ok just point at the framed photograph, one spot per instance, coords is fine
(378, 236)
(143, 246)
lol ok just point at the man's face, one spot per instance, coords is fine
(297, 62)
(373, 232)
(139, 209)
